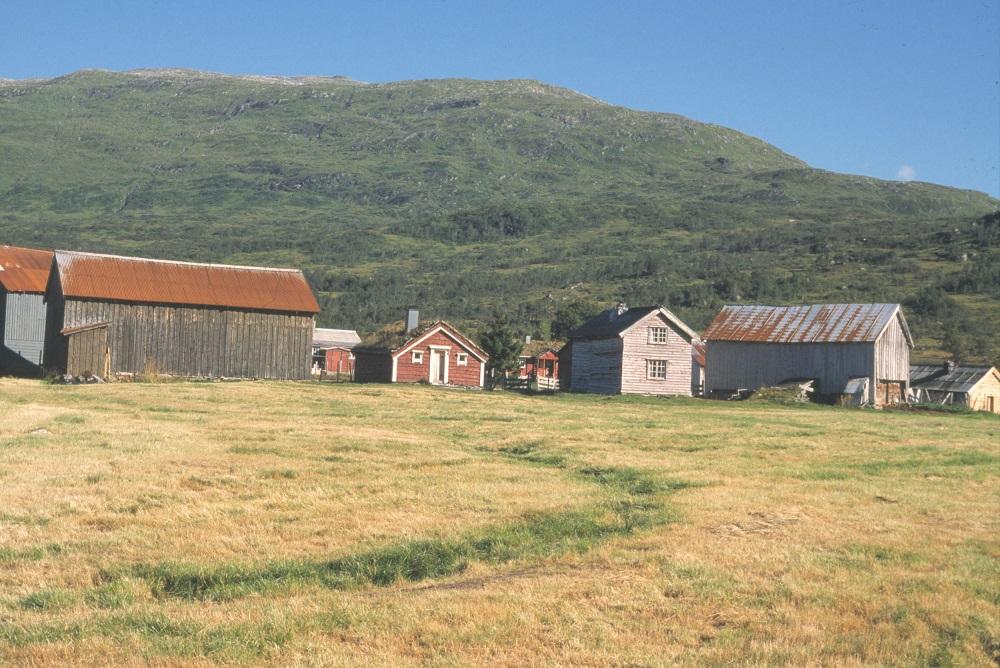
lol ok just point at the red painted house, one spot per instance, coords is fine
(539, 361)
(434, 353)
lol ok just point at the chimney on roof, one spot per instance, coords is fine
(619, 310)
(949, 366)
(412, 319)
(527, 338)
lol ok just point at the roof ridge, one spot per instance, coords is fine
(183, 262)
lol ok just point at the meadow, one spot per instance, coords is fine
(192, 524)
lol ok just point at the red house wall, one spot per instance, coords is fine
(339, 359)
(408, 372)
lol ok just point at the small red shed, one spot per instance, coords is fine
(435, 353)
(538, 360)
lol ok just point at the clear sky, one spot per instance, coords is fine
(907, 90)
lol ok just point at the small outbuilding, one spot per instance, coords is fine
(110, 315)
(539, 362)
(412, 352)
(24, 273)
(836, 345)
(642, 350)
(976, 387)
(333, 352)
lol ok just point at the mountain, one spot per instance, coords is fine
(460, 195)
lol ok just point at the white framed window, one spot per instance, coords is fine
(656, 369)
(657, 334)
(462, 359)
(417, 356)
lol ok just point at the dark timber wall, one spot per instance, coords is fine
(185, 340)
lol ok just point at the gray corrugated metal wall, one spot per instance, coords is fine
(197, 341)
(23, 327)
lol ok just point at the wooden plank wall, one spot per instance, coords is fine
(636, 349)
(733, 365)
(892, 354)
(199, 341)
(597, 366)
(88, 352)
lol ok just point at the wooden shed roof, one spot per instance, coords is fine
(939, 378)
(808, 323)
(24, 269)
(133, 279)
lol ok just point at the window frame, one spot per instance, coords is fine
(461, 359)
(416, 356)
(654, 331)
(658, 362)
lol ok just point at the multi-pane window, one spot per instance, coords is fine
(462, 359)
(656, 369)
(657, 334)
(418, 357)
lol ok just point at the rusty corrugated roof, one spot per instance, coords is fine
(24, 269)
(133, 279)
(810, 323)
(698, 353)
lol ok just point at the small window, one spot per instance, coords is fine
(418, 356)
(657, 334)
(656, 369)
(462, 359)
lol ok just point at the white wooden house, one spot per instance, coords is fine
(644, 350)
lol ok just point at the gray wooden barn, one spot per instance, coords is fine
(975, 387)
(642, 350)
(837, 345)
(24, 273)
(110, 315)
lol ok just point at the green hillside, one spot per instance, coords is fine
(460, 195)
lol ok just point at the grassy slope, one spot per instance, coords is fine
(396, 525)
(372, 189)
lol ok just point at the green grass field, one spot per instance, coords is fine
(313, 524)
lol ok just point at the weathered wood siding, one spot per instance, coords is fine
(734, 365)
(636, 349)
(88, 352)
(597, 366)
(22, 327)
(195, 341)
(892, 354)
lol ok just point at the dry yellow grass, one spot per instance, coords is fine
(200, 523)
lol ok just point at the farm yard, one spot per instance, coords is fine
(197, 523)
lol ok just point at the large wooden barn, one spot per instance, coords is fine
(837, 345)
(110, 315)
(24, 273)
(641, 350)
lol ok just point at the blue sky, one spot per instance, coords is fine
(888, 89)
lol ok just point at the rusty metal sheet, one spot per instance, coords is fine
(132, 279)
(812, 323)
(24, 269)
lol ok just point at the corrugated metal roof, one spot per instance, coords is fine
(335, 338)
(132, 279)
(24, 269)
(811, 323)
(938, 378)
(698, 353)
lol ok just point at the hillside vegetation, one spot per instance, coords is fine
(387, 525)
(461, 195)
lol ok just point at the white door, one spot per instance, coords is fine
(439, 367)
